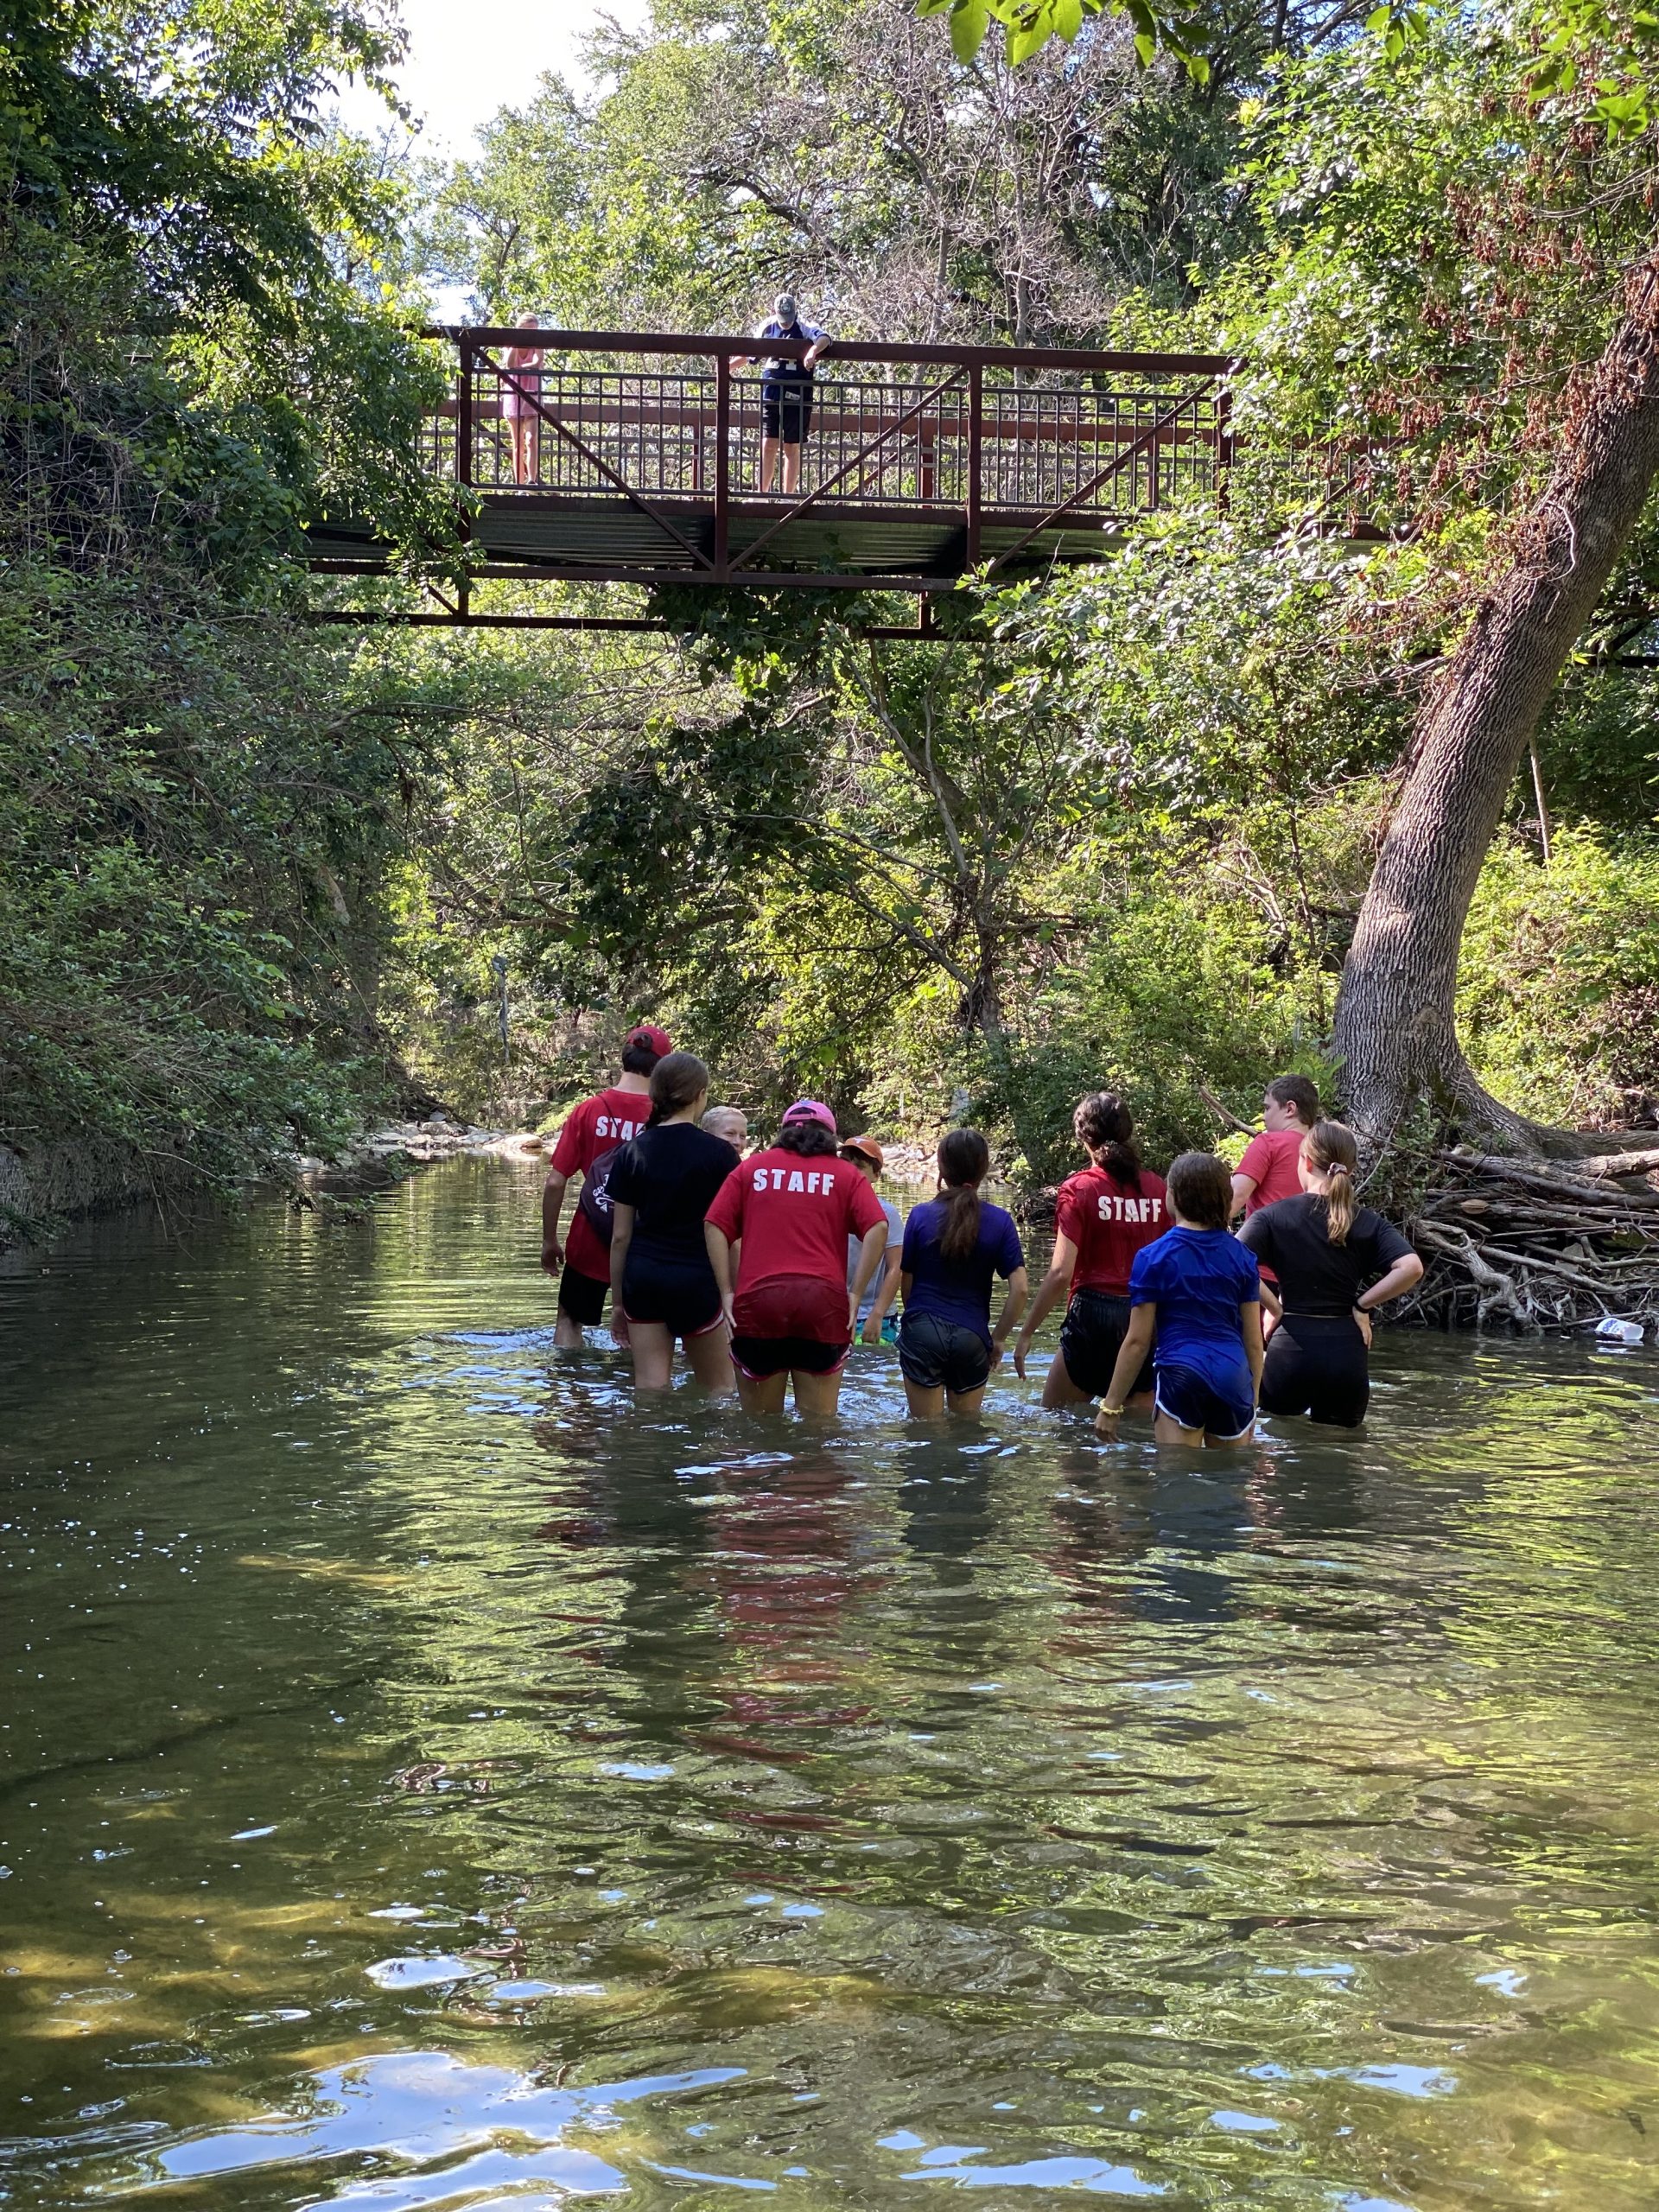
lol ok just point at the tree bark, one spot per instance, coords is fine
(1395, 1031)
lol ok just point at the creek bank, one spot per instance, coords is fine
(43, 1190)
(439, 1136)
(1528, 1244)
(910, 1166)
(444, 1136)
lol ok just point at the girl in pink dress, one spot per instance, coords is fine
(517, 406)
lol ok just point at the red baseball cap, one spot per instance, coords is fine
(812, 1109)
(647, 1033)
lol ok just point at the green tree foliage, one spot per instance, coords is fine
(1028, 26)
(839, 148)
(1172, 997)
(900, 872)
(198, 793)
(1559, 993)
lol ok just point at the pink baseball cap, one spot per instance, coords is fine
(647, 1033)
(812, 1109)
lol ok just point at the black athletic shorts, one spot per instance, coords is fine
(760, 1357)
(938, 1355)
(685, 1301)
(582, 1297)
(1092, 1335)
(1317, 1364)
(787, 408)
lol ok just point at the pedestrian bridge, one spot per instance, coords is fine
(639, 461)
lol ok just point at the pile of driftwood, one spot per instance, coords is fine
(1534, 1243)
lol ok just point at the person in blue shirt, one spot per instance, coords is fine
(785, 393)
(1195, 1299)
(955, 1246)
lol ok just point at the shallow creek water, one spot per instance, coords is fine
(432, 1781)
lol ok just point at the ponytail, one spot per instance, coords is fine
(1328, 1149)
(1102, 1125)
(964, 1162)
(677, 1081)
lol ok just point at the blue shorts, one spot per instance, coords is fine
(1187, 1398)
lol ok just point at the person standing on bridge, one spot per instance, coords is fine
(521, 389)
(785, 393)
(589, 1141)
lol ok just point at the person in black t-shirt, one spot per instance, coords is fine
(662, 1185)
(1336, 1263)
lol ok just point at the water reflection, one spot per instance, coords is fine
(435, 1782)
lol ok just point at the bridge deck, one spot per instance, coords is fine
(614, 458)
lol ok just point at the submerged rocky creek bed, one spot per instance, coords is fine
(430, 1782)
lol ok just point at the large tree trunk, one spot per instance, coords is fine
(1395, 1031)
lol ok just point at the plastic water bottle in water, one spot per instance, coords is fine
(1610, 1332)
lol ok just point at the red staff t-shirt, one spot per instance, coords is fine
(598, 1125)
(1270, 1162)
(793, 1218)
(1108, 1221)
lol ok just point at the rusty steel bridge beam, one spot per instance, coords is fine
(710, 346)
(983, 441)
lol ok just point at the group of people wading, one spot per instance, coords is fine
(763, 1264)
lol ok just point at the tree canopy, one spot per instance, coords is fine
(1120, 823)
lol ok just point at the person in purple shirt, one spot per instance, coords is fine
(954, 1247)
(1195, 1299)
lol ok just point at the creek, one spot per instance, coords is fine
(432, 1781)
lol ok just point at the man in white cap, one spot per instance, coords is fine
(785, 393)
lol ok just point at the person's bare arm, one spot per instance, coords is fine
(884, 1295)
(553, 1192)
(1131, 1358)
(1250, 1320)
(621, 1237)
(1061, 1269)
(1406, 1270)
(1013, 1306)
(1274, 1306)
(814, 353)
(720, 1259)
(1242, 1186)
(875, 1244)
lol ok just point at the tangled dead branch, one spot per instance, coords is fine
(1536, 1244)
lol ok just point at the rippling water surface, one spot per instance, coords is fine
(431, 1783)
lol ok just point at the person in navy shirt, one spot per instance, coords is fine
(786, 391)
(954, 1247)
(1196, 1303)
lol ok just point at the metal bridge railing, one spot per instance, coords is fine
(1086, 439)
